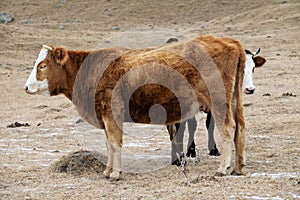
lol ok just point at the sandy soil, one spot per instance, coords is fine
(272, 118)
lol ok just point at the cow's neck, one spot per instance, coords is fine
(76, 58)
(76, 61)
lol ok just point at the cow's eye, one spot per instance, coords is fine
(43, 66)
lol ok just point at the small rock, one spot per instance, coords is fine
(54, 151)
(105, 10)
(79, 121)
(271, 155)
(41, 107)
(202, 25)
(62, 27)
(170, 40)
(5, 18)
(228, 29)
(267, 95)
(60, 117)
(27, 22)
(115, 28)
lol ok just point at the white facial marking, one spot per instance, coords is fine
(32, 85)
(248, 74)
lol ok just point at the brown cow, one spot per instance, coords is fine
(162, 85)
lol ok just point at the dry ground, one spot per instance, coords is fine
(273, 142)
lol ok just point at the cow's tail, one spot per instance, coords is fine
(239, 136)
(238, 89)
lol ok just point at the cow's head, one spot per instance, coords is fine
(48, 73)
(253, 60)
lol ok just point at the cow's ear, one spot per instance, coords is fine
(259, 61)
(61, 55)
(52, 46)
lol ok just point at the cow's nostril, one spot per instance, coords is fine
(26, 88)
(250, 90)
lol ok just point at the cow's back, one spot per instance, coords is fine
(167, 76)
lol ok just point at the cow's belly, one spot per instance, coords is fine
(156, 104)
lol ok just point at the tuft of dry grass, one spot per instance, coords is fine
(80, 162)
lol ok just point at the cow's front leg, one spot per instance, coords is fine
(109, 163)
(115, 154)
(114, 147)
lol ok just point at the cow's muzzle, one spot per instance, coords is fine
(249, 90)
(28, 91)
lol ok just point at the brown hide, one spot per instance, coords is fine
(180, 77)
(145, 81)
(209, 70)
(87, 79)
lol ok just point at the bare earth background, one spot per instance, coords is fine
(272, 115)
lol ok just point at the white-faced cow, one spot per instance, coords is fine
(115, 85)
(253, 60)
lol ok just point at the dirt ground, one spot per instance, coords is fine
(272, 115)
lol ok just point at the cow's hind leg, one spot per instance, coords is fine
(176, 136)
(239, 141)
(227, 131)
(114, 147)
(210, 126)
(191, 147)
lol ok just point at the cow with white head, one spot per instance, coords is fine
(35, 83)
(253, 60)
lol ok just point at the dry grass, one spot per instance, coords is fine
(80, 162)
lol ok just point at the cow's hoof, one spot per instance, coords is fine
(237, 173)
(180, 160)
(114, 176)
(191, 153)
(191, 150)
(176, 162)
(214, 152)
(219, 174)
(106, 174)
